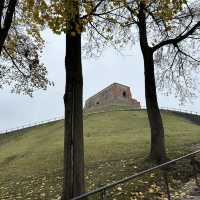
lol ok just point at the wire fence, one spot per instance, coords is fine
(176, 110)
(180, 110)
(29, 125)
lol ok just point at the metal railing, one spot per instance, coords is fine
(29, 125)
(180, 110)
(177, 110)
(144, 108)
(102, 193)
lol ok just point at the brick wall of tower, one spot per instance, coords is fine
(115, 94)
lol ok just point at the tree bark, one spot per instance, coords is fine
(6, 21)
(73, 136)
(157, 152)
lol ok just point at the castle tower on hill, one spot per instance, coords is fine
(114, 95)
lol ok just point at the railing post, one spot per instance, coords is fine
(195, 166)
(166, 180)
(103, 194)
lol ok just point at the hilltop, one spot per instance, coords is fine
(116, 145)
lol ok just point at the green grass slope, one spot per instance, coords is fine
(116, 145)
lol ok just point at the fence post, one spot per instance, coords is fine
(103, 194)
(196, 167)
(166, 180)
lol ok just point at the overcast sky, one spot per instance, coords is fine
(16, 110)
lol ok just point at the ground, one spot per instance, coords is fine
(116, 145)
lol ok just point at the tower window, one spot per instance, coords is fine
(124, 94)
(97, 103)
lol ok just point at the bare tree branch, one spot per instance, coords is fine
(178, 39)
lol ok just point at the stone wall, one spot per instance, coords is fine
(115, 94)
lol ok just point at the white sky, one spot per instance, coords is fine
(16, 110)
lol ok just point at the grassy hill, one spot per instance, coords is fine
(116, 145)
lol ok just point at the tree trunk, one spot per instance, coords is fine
(6, 20)
(157, 152)
(73, 136)
(2, 40)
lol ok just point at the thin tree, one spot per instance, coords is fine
(166, 31)
(73, 98)
(70, 17)
(171, 27)
(73, 123)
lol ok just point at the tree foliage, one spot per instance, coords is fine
(172, 29)
(20, 66)
(115, 23)
(163, 29)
